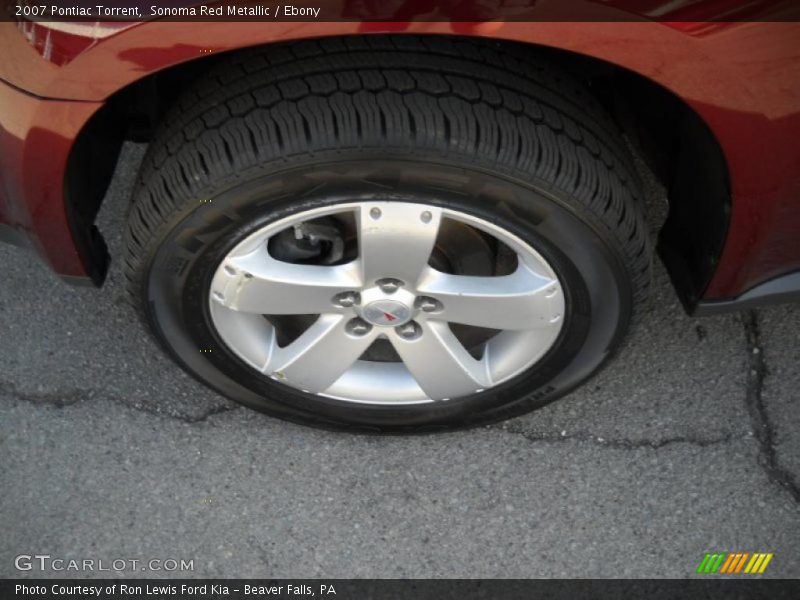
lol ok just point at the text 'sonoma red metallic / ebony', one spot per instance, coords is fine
(488, 129)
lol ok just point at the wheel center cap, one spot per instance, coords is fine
(387, 313)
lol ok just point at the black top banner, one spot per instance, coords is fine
(403, 10)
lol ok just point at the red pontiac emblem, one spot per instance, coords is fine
(386, 313)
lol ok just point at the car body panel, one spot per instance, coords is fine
(35, 140)
(741, 78)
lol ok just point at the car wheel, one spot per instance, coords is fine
(389, 234)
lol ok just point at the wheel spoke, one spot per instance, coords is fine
(439, 362)
(257, 283)
(522, 300)
(396, 239)
(319, 356)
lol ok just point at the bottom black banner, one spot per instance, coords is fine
(365, 589)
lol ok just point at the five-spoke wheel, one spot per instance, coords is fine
(389, 291)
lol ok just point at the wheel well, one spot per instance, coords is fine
(673, 140)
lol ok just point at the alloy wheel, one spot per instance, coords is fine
(390, 291)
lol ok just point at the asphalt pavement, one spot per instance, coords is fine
(689, 442)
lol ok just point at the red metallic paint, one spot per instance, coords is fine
(743, 79)
(35, 139)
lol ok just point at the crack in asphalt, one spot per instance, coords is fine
(217, 410)
(65, 398)
(763, 428)
(617, 443)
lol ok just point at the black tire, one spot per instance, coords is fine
(431, 113)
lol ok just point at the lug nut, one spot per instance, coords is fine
(389, 285)
(409, 330)
(358, 327)
(346, 299)
(427, 304)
